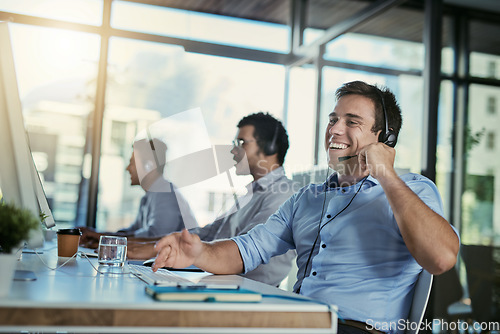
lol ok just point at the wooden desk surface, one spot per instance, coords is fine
(76, 298)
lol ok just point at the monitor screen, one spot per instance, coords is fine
(19, 180)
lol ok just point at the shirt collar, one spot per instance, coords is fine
(267, 180)
(333, 181)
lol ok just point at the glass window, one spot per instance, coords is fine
(301, 120)
(447, 54)
(490, 140)
(485, 53)
(480, 221)
(56, 73)
(447, 62)
(376, 51)
(151, 83)
(492, 105)
(408, 91)
(378, 42)
(444, 149)
(321, 15)
(79, 11)
(492, 69)
(204, 27)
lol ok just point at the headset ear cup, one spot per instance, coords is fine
(270, 148)
(390, 139)
(148, 166)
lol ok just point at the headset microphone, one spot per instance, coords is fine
(347, 157)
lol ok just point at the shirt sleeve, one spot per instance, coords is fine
(427, 191)
(267, 208)
(267, 240)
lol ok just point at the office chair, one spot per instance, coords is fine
(419, 303)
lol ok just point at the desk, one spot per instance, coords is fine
(75, 298)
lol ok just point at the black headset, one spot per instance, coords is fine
(388, 136)
(271, 148)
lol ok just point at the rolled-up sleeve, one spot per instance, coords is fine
(427, 191)
(267, 240)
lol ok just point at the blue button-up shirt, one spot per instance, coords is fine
(360, 261)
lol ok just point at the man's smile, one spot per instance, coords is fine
(337, 146)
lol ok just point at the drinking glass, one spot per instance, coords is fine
(112, 251)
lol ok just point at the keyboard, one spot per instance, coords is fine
(161, 277)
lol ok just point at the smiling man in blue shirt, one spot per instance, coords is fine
(362, 237)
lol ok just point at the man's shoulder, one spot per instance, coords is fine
(300, 191)
(413, 177)
(284, 186)
(417, 181)
(160, 197)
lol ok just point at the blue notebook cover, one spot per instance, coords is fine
(198, 293)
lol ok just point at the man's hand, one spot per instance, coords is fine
(89, 238)
(141, 250)
(178, 250)
(378, 160)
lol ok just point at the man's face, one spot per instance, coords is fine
(134, 178)
(248, 146)
(349, 129)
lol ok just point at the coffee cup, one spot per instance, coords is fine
(67, 241)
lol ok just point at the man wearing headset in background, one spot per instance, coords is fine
(259, 150)
(160, 208)
(362, 237)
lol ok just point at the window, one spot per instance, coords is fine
(301, 129)
(204, 27)
(150, 83)
(56, 70)
(492, 105)
(492, 69)
(444, 150)
(80, 11)
(490, 141)
(376, 51)
(480, 197)
(484, 54)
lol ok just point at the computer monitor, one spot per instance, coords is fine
(19, 181)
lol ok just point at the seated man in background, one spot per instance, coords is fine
(160, 208)
(264, 142)
(362, 238)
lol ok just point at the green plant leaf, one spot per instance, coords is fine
(15, 226)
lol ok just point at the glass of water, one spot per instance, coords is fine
(112, 251)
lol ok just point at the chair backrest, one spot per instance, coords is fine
(419, 303)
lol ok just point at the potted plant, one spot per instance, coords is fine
(15, 226)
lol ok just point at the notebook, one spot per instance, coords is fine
(202, 293)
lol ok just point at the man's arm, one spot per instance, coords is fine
(180, 250)
(428, 236)
(141, 248)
